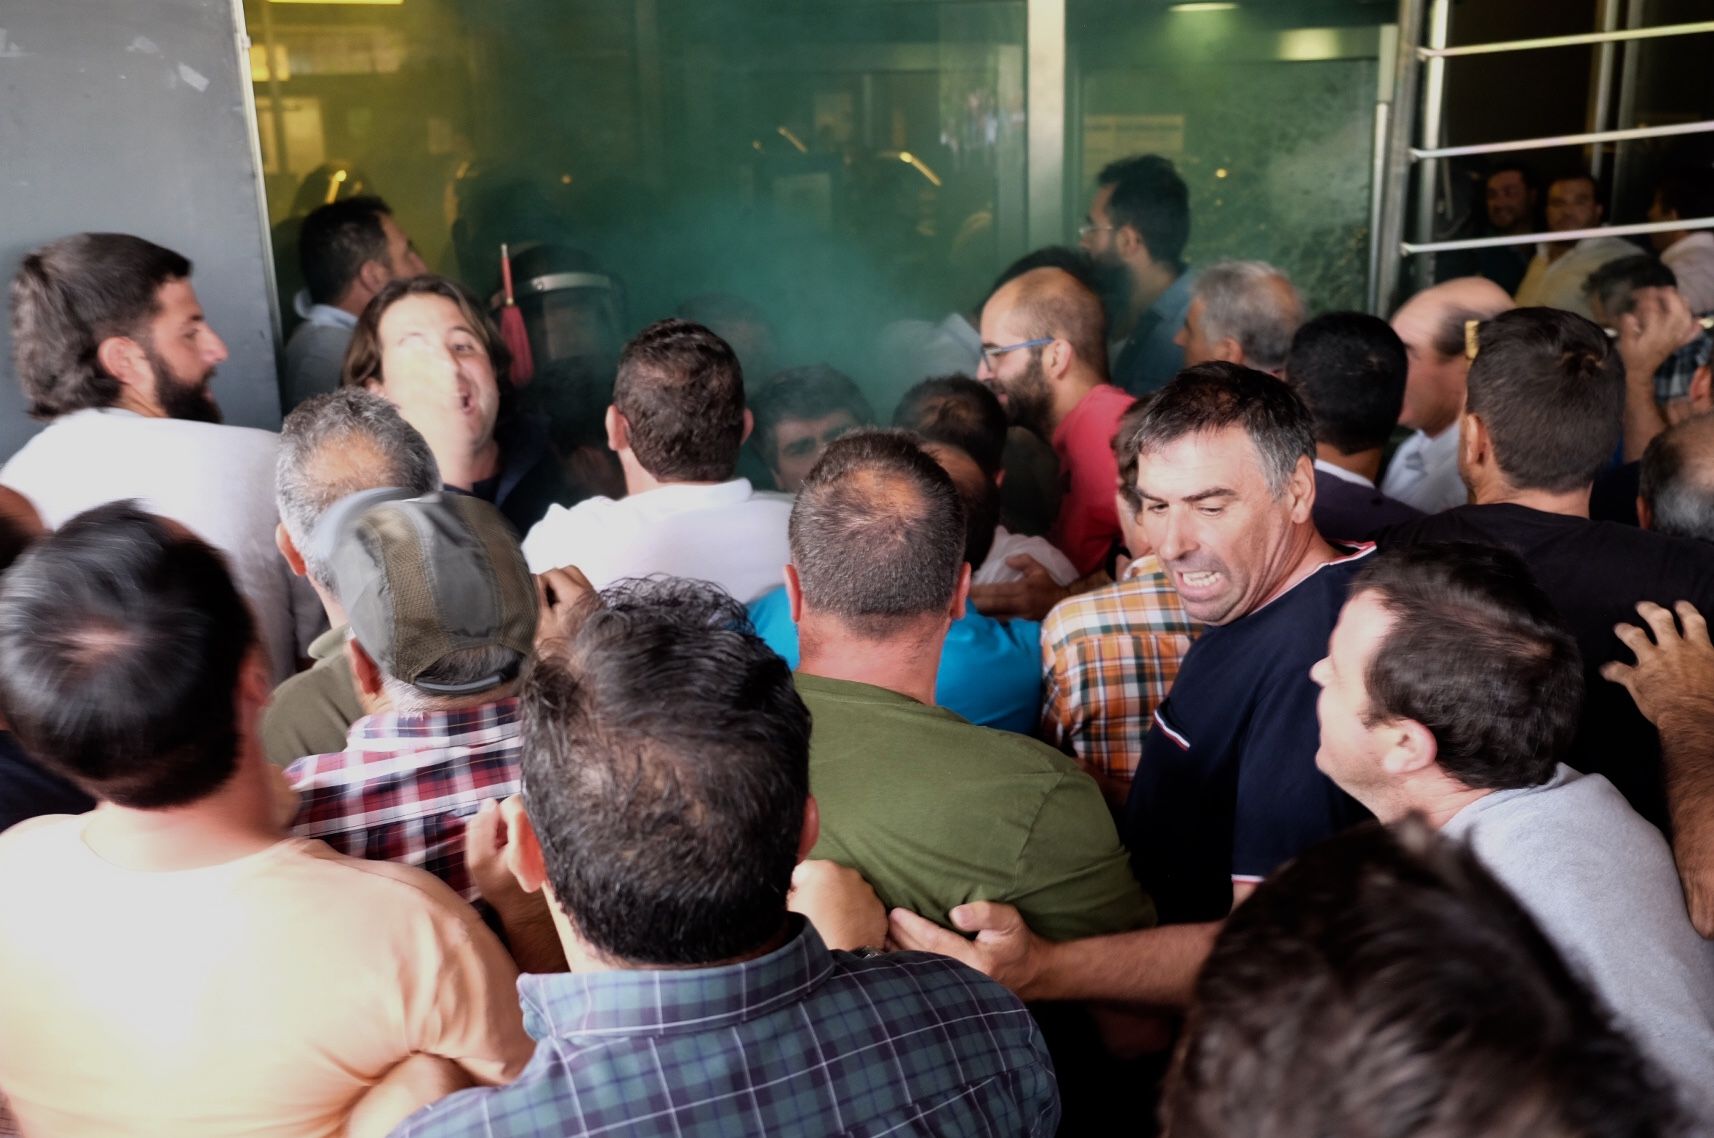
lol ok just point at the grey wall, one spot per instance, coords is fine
(129, 115)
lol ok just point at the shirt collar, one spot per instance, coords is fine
(1342, 474)
(1697, 239)
(668, 1001)
(387, 728)
(327, 314)
(1172, 304)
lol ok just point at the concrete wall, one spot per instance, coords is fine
(129, 115)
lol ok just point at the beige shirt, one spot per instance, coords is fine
(1559, 284)
(260, 997)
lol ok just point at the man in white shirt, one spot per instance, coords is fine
(1555, 276)
(676, 423)
(1424, 470)
(348, 250)
(1689, 253)
(110, 344)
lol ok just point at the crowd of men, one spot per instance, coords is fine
(1323, 746)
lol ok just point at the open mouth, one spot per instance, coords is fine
(1199, 582)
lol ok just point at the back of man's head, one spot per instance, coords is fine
(979, 493)
(1211, 397)
(69, 296)
(1050, 303)
(121, 642)
(1478, 655)
(1254, 305)
(1677, 480)
(681, 391)
(1385, 983)
(1550, 389)
(1150, 197)
(436, 591)
(1350, 368)
(335, 242)
(669, 826)
(1687, 192)
(1612, 288)
(877, 535)
(960, 412)
(335, 445)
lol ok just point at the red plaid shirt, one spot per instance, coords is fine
(405, 783)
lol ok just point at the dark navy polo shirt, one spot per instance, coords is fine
(1227, 786)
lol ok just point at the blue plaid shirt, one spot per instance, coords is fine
(801, 1041)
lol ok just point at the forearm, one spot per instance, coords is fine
(1643, 420)
(1157, 966)
(530, 935)
(1687, 767)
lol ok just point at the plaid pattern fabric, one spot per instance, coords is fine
(800, 1041)
(1672, 378)
(1110, 657)
(403, 786)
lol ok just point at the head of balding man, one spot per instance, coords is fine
(1431, 324)
(1041, 332)
(877, 538)
(1675, 492)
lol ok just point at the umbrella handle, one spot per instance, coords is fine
(506, 272)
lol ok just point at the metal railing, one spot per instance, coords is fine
(1421, 64)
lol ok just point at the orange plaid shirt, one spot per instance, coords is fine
(1110, 657)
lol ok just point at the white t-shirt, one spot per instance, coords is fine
(217, 481)
(995, 571)
(726, 532)
(263, 996)
(1601, 884)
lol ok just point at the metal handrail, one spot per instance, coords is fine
(1411, 248)
(1567, 41)
(1417, 154)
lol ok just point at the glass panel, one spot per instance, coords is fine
(837, 165)
(1268, 113)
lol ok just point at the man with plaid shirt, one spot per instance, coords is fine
(664, 835)
(442, 613)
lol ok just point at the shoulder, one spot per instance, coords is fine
(905, 984)
(403, 897)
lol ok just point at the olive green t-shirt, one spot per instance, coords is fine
(935, 811)
(310, 713)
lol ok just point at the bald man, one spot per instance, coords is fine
(1044, 352)
(1424, 471)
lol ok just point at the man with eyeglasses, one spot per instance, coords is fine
(1134, 234)
(1044, 354)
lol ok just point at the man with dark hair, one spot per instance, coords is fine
(263, 983)
(1509, 197)
(1451, 688)
(1350, 369)
(442, 615)
(1423, 473)
(800, 411)
(1541, 418)
(1109, 656)
(348, 250)
(1675, 493)
(877, 576)
(1241, 312)
(110, 344)
(1384, 983)
(677, 421)
(1135, 233)
(963, 413)
(988, 672)
(1689, 253)
(1044, 354)
(332, 446)
(1557, 272)
(663, 833)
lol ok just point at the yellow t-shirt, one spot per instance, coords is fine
(261, 997)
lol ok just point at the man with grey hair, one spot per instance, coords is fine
(1241, 312)
(1676, 489)
(332, 446)
(442, 613)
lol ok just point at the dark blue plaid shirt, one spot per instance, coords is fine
(801, 1041)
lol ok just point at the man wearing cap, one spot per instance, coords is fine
(442, 615)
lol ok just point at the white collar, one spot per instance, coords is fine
(1342, 474)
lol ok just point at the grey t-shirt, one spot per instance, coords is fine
(1601, 883)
